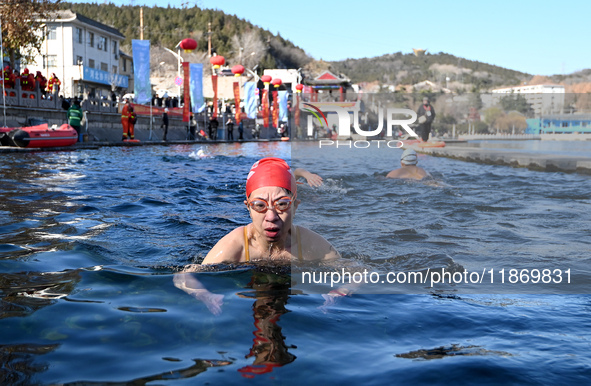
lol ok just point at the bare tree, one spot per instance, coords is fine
(249, 49)
(23, 25)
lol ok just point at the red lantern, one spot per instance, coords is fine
(299, 87)
(266, 79)
(217, 61)
(188, 44)
(276, 82)
(238, 70)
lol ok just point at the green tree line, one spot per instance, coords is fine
(167, 26)
(400, 68)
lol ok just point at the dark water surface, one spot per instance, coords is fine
(90, 241)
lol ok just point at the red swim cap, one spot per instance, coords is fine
(270, 172)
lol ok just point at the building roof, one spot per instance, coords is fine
(328, 78)
(69, 16)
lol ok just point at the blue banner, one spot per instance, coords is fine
(196, 86)
(141, 68)
(104, 77)
(282, 95)
(250, 100)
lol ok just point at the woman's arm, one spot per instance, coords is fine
(313, 180)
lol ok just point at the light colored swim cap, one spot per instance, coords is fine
(409, 157)
(270, 172)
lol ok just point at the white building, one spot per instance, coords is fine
(544, 98)
(84, 54)
(290, 78)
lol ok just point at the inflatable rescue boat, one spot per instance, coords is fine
(39, 136)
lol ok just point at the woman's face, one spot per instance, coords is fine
(273, 225)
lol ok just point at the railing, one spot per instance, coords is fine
(469, 137)
(17, 97)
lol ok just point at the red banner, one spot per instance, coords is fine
(265, 107)
(275, 109)
(297, 110)
(186, 93)
(145, 110)
(237, 101)
(214, 83)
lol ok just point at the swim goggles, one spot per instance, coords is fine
(261, 206)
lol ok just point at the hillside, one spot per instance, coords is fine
(233, 37)
(456, 73)
(242, 42)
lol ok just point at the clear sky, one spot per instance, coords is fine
(537, 37)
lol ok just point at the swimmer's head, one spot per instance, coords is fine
(409, 157)
(270, 172)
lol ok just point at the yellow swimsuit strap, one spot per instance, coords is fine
(299, 244)
(247, 253)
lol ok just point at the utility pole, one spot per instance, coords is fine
(209, 38)
(141, 23)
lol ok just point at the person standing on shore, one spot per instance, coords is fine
(213, 128)
(54, 84)
(75, 116)
(241, 131)
(192, 128)
(230, 125)
(132, 121)
(165, 123)
(125, 112)
(426, 115)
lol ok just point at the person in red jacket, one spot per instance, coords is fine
(132, 121)
(125, 113)
(41, 81)
(7, 78)
(27, 81)
(54, 84)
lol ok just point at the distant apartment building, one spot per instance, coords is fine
(543, 98)
(84, 54)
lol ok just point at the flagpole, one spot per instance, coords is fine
(3, 87)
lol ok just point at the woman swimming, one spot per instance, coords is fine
(271, 199)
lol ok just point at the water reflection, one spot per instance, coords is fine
(450, 351)
(19, 362)
(269, 349)
(199, 366)
(21, 294)
(34, 204)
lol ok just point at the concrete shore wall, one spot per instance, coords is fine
(539, 162)
(101, 126)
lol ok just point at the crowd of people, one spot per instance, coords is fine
(29, 82)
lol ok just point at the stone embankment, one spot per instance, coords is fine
(540, 162)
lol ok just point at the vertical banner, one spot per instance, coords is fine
(283, 105)
(186, 93)
(141, 68)
(275, 109)
(250, 100)
(214, 83)
(237, 101)
(265, 107)
(297, 110)
(196, 70)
